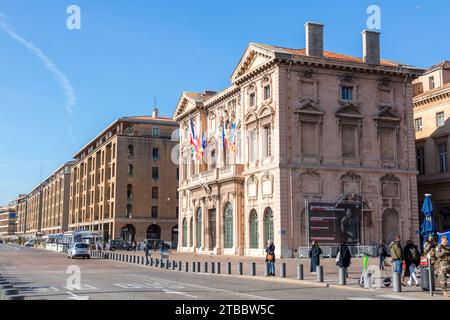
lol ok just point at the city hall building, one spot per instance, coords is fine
(311, 127)
(124, 182)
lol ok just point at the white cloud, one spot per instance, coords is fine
(69, 91)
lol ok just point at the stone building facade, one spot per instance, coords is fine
(124, 182)
(7, 221)
(21, 214)
(432, 125)
(55, 201)
(313, 126)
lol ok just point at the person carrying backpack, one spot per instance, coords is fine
(412, 261)
(382, 254)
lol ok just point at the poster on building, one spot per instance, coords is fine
(331, 223)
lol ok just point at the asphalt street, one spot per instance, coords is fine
(47, 275)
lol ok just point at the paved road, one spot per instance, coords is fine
(41, 274)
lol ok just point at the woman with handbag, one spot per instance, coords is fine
(270, 257)
(343, 259)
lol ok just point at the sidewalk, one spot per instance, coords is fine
(331, 277)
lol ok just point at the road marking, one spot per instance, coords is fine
(360, 298)
(76, 297)
(180, 293)
(393, 296)
(214, 289)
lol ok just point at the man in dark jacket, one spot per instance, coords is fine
(344, 257)
(412, 261)
(382, 254)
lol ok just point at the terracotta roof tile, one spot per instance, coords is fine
(337, 56)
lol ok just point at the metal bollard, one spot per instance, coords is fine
(240, 271)
(218, 267)
(186, 268)
(198, 266)
(229, 268)
(213, 267)
(180, 265)
(300, 273)
(396, 278)
(206, 267)
(283, 270)
(167, 264)
(174, 265)
(342, 277)
(194, 267)
(127, 258)
(367, 280)
(319, 270)
(151, 262)
(156, 262)
(253, 269)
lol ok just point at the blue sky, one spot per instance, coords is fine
(127, 52)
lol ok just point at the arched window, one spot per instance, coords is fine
(130, 150)
(268, 225)
(228, 226)
(185, 227)
(254, 236)
(199, 228)
(130, 170)
(130, 192)
(129, 210)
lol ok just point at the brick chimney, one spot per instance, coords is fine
(314, 39)
(155, 112)
(371, 47)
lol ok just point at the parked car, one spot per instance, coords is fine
(156, 244)
(119, 244)
(79, 250)
(30, 243)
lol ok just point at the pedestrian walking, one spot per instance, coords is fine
(412, 261)
(443, 256)
(344, 257)
(147, 251)
(270, 257)
(382, 254)
(134, 245)
(396, 255)
(314, 255)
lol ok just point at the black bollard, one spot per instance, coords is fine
(218, 267)
(266, 269)
(319, 270)
(180, 265)
(300, 274)
(206, 267)
(342, 277)
(283, 270)
(213, 267)
(186, 268)
(194, 267)
(253, 269)
(229, 268)
(198, 266)
(240, 271)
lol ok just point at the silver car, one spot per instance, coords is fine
(79, 250)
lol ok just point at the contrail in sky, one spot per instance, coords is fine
(69, 91)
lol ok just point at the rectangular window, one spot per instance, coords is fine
(154, 212)
(252, 145)
(155, 154)
(155, 173)
(155, 193)
(155, 132)
(420, 157)
(252, 99)
(440, 119)
(442, 155)
(349, 141)
(267, 92)
(387, 143)
(267, 141)
(347, 93)
(418, 124)
(308, 138)
(432, 83)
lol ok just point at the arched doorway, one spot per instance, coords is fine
(154, 232)
(128, 233)
(253, 226)
(391, 225)
(175, 236)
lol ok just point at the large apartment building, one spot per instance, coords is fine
(312, 127)
(124, 182)
(432, 125)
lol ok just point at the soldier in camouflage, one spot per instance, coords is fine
(429, 248)
(443, 256)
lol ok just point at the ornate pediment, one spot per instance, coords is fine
(387, 114)
(309, 107)
(251, 117)
(254, 57)
(265, 111)
(349, 111)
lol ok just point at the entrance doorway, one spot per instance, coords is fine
(212, 228)
(154, 232)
